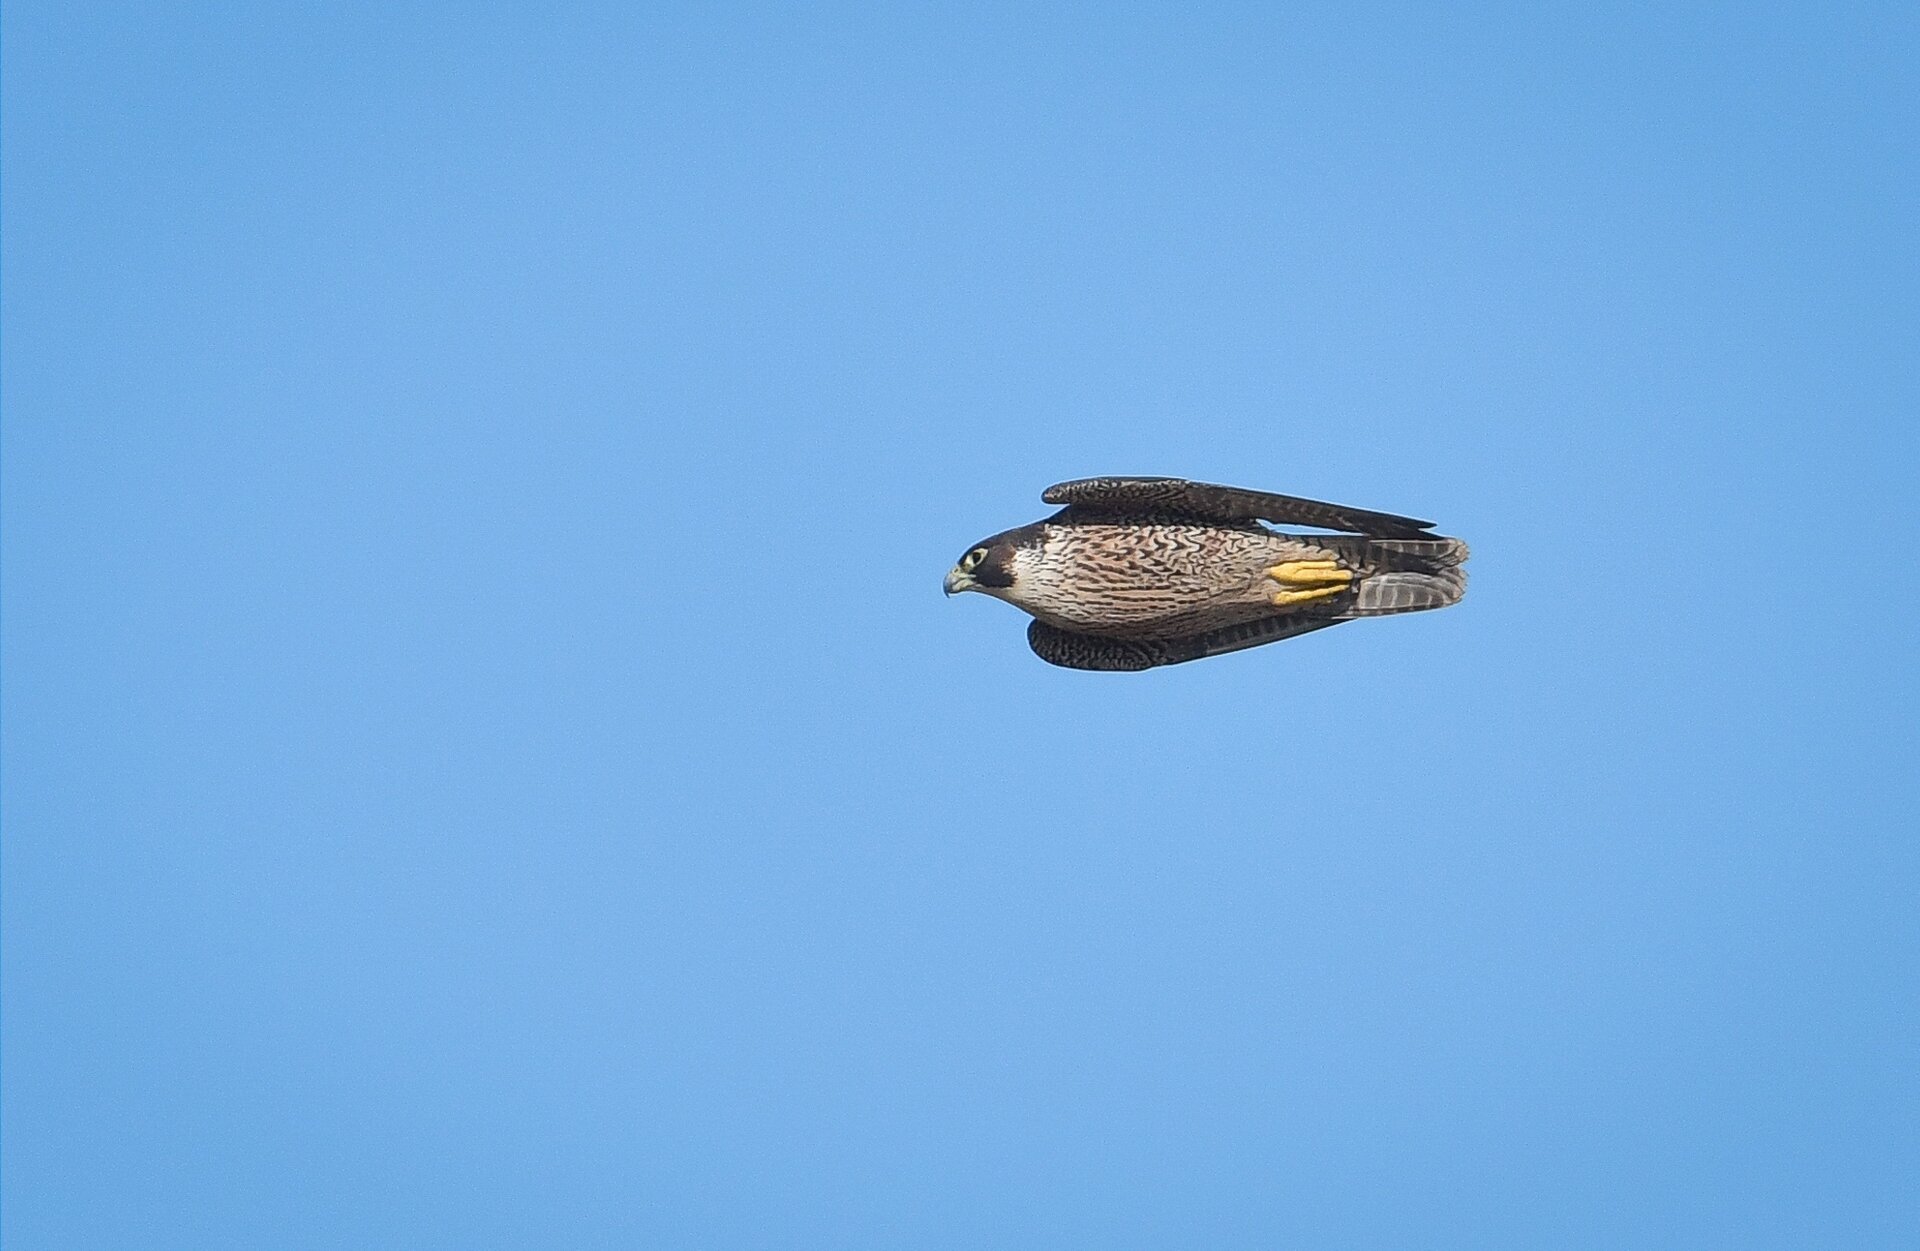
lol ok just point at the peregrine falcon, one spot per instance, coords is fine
(1138, 572)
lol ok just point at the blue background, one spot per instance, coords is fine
(488, 764)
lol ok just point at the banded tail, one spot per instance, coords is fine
(1401, 575)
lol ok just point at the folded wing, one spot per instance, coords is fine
(1096, 651)
(1205, 501)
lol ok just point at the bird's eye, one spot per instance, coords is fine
(972, 559)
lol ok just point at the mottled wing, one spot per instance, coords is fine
(1207, 502)
(1093, 651)
(1096, 651)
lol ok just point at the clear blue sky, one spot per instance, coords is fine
(488, 762)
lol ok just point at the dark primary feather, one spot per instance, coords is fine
(1204, 501)
(1095, 651)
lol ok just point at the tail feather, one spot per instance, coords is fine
(1405, 575)
(1386, 593)
(1442, 552)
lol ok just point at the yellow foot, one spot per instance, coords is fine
(1320, 579)
(1309, 573)
(1287, 599)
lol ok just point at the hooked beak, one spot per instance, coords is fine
(958, 581)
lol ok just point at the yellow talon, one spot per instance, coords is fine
(1315, 573)
(1283, 599)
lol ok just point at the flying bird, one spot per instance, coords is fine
(1138, 572)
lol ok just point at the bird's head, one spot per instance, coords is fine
(992, 566)
(987, 567)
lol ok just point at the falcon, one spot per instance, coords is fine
(1137, 572)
